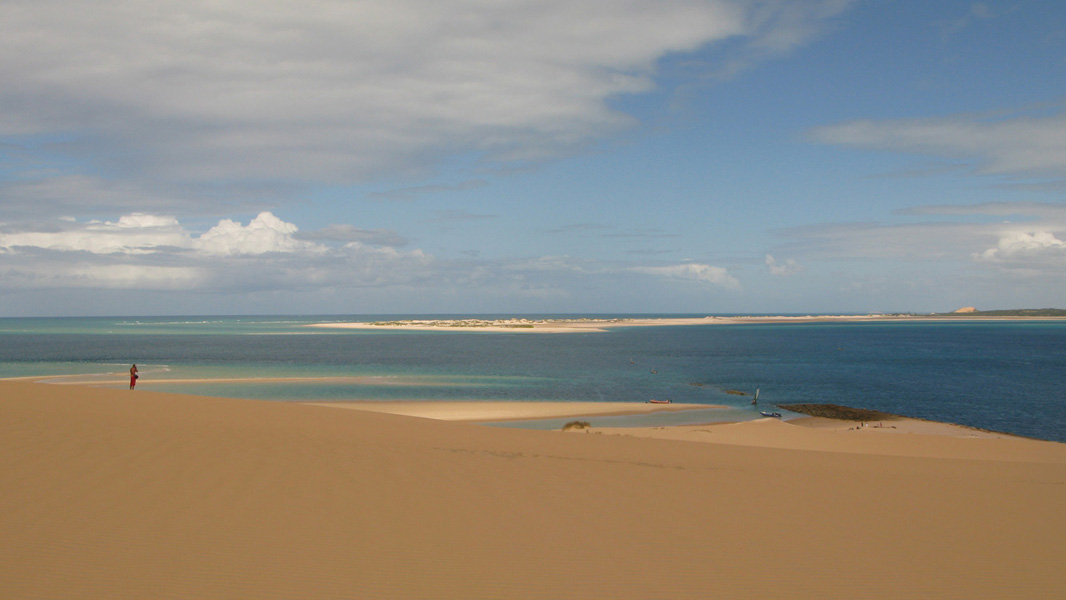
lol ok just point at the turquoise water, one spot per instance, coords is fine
(1005, 376)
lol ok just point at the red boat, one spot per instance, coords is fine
(654, 401)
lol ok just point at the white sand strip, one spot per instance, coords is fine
(518, 325)
(511, 411)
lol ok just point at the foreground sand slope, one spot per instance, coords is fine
(902, 437)
(116, 494)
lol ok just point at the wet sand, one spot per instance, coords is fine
(117, 494)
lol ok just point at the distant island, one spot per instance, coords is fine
(969, 311)
(564, 325)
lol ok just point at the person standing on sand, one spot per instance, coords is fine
(133, 376)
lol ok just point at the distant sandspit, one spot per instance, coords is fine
(512, 411)
(139, 494)
(521, 325)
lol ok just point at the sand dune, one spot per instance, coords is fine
(117, 494)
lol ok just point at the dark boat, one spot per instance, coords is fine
(654, 401)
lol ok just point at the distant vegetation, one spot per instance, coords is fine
(1017, 312)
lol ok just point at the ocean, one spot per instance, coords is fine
(1005, 376)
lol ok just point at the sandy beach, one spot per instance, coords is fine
(520, 325)
(116, 494)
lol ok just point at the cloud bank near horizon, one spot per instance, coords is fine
(150, 252)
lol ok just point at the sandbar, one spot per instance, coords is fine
(523, 325)
(121, 494)
(511, 411)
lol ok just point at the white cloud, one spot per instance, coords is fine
(140, 233)
(693, 272)
(265, 233)
(1028, 247)
(132, 234)
(1026, 238)
(343, 91)
(1016, 145)
(788, 267)
(153, 252)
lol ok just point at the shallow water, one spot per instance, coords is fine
(1005, 376)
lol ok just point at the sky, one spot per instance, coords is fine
(520, 156)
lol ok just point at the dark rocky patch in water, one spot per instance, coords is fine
(843, 413)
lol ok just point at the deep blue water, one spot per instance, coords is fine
(1004, 376)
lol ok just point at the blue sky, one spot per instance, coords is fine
(413, 156)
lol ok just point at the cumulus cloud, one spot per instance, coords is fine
(140, 233)
(265, 233)
(1027, 246)
(344, 91)
(151, 252)
(702, 273)
(132, 234)
(1024, 237)
(788, 267)
(267, 254)
(1012, 144)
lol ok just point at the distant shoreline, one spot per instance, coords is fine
(520, 325)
